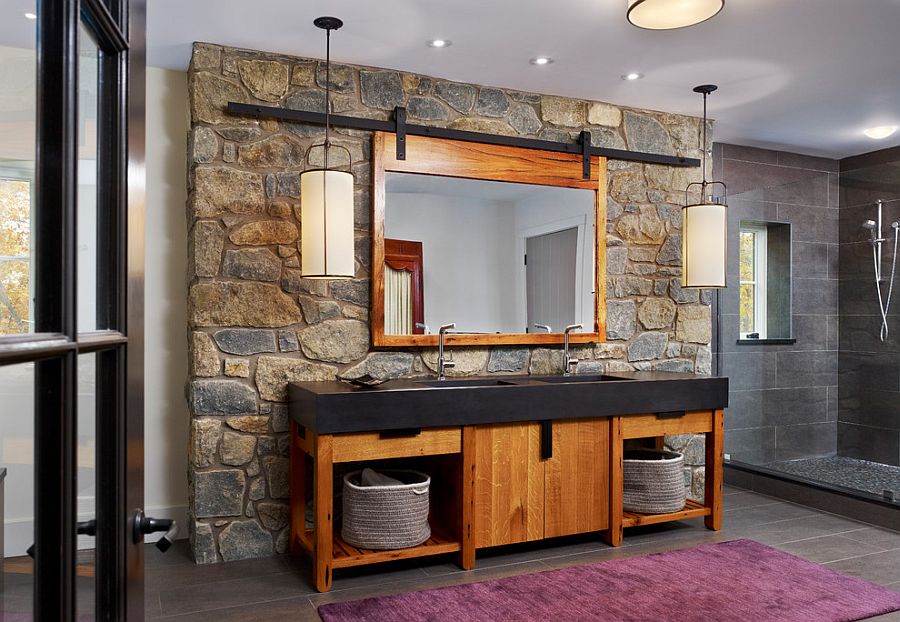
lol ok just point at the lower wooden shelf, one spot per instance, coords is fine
(692, 509)
(345, 555)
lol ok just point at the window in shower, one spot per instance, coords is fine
(753, 282)
(765, 281)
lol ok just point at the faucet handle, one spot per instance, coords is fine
(449, 364)
(573, 363)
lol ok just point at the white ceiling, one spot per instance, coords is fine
(805, 75)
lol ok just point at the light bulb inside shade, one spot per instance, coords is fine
(30, 16)
(439, 43)
(632, 76)
(541, 60)
(670, 14)
(882, 131)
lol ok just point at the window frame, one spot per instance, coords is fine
(759, 281)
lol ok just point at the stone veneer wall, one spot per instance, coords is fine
(255, 324)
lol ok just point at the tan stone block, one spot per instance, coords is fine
(242, 304)
(266, 79)
(219, 189)
(206, 56)
(336, 341)
(249, 423)
(562, 111)
(205, 434)
(468, 361)
(204, 356)
(210, 95)
(694, 324)
(273, 373)
(601, 113)
(209, 239)
(237, 368)
(263, 232)
(237, 449)
(274, 151)
(656, 313)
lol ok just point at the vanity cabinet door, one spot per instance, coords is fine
(576, 488)
(509, 484)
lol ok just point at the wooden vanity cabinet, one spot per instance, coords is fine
(522, 495)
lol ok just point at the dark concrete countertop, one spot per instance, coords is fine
(335, 407)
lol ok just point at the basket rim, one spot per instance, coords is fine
(398, 487)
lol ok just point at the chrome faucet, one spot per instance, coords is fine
(442, 364)
(568, 362)
(545, 327)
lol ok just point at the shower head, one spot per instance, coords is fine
(869, 224)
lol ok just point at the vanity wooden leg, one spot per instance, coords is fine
(715, 457)
(298, 493)
(613, 535)
(467, 500)
(323, 501)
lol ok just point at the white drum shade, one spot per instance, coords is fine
(326, 212)
(703, 245)
(669, 14)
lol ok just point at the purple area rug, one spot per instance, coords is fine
(740, 580)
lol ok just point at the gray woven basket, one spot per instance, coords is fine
(386, 517)
(653, 481)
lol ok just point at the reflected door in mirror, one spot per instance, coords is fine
(550, 279)
(404, 298)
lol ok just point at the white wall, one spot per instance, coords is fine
(166, 418)
(468, 252)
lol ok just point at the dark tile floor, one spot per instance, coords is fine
(279, 588)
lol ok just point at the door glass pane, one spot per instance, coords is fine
(86, 479)
(16, 489)
(17, 149)
(86, 222)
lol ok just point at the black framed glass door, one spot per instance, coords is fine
(71, 307)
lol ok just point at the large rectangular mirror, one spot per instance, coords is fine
(505, 249)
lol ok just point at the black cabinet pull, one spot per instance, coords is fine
(546, 439)
(400, 433)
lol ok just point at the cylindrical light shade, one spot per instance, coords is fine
(669, 14)
(703, 245)
(326, 212)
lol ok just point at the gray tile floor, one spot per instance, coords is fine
(279, 588)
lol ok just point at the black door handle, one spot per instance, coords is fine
(144, 525)
(82, 528)
(546, 439)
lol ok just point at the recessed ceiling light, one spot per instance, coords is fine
(30, 16)
(632, 76)
(541, 60)
(439, 43)
(882, 131)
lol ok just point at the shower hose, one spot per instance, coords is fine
(882, 305)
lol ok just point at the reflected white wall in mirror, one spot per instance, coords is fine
(474, 237)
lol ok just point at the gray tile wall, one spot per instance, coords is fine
(783, 398)
(869, 380)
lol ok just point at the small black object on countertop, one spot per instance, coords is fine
(334, 407)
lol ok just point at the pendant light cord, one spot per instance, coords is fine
(703, 147)
(327, 93)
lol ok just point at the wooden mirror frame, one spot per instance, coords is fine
(470, 160)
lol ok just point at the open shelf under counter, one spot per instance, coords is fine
(692, 509)
(345, 555)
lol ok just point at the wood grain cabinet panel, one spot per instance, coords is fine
(576, 478)
(509, 484)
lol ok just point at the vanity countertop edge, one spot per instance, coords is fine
(335, 407)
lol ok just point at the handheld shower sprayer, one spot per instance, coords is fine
(876, 240)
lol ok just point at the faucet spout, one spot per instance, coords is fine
(568, 362)
(442, 364)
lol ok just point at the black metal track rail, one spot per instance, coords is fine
(399, 126)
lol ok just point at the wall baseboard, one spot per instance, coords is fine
(19, 533)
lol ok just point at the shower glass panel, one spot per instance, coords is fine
(815, 396)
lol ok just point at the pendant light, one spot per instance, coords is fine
(704, 226)
(326, 199)
(671, 14)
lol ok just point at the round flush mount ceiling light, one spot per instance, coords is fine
(541, 60)
(631, 77)
(30, 16)
(439, 43)
(882, 131)
(671, 14)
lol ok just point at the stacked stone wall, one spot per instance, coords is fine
(255, 324)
